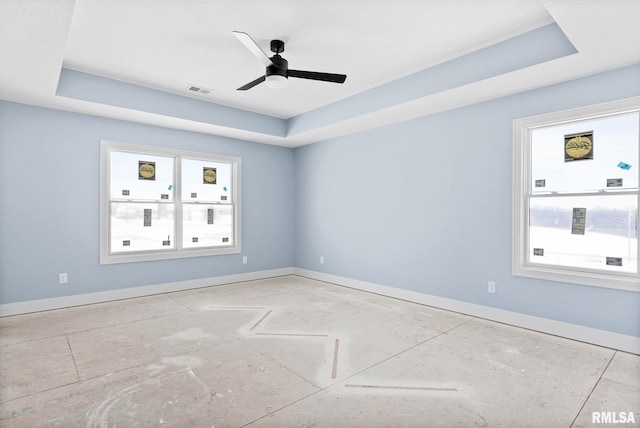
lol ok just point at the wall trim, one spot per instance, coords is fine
(544, 325)
(40, 305)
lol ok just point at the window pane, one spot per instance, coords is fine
(141, 176)
(606, 239)
(205, 181)
(141, 227)
(207, 225)
(614, 150)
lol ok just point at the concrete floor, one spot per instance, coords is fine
(293, 352)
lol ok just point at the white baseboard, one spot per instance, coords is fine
(29, 306)
(571, 331)
(557, 328)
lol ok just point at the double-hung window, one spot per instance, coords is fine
(576, 195)
(159, 203)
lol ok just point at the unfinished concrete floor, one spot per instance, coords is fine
(294, 352)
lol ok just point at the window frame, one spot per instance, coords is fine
(106, 147)
(521, 264)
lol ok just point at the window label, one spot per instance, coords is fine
(541, 183)
(210, 216)
(147, 217)
(146, 170)
(578, 221)
(624, 166)
(209, 175)
(614, 261)
(538, 251)
(578, 146)
(614, 182)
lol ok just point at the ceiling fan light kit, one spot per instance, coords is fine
(277, 70)
(276, 81)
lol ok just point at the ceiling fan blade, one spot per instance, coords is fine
(250, 44)
(315, 75)
(252, 84)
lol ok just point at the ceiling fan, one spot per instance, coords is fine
(277, 68)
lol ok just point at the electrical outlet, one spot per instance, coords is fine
(63, 278)
(321, 260)
(491, 287)
(244, 260)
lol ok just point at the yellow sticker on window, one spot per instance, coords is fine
(578, 146)
(209, 175)
(146, 170)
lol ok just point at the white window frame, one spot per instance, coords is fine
(522, 266)
(178, 252)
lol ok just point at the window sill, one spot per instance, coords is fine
(107, 259)
(618, 282)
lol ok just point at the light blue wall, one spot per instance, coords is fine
(49, 205)
(425, 205)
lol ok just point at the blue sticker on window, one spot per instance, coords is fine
(224, 188)
(624, 166)
(170, 186)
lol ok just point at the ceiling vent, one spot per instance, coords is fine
(199, 89)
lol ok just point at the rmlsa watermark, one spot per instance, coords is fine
(613, 418)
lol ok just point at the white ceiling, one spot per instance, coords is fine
(169, 45)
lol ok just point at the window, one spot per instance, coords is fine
(576, 195)
(160, 204)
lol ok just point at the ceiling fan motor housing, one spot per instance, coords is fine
(279, 66)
